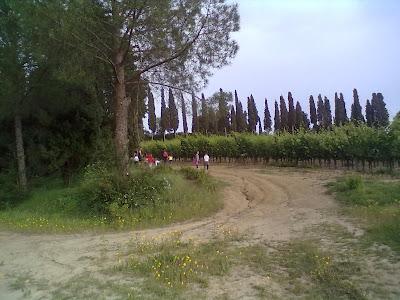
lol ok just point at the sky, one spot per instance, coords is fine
(312, 47)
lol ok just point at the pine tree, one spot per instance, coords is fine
(267, 118)
(173, 113)
(313, 113)
(277, 118)
(164, 121)
(184, 118)
(195, 118)
(291, 114)
(284, 115)
(233, 119)
(356, 111)
(381, 115)
(204, 121)
(369, 113)
(327, 114)
(151, 113)
(320, 112)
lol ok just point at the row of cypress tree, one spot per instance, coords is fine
(223, 113)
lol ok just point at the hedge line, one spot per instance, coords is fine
(347, 144)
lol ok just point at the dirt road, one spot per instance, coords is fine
(268, 205)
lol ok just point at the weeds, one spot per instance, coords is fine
(176, 264)
(148, 198)
(301, 262)
(376, 203)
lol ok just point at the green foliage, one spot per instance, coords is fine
(346, 143)
(349, 183)
(104, 190)
(175, 264)
(376, 202)
(354, 190)
(10, 194)
(326, 275)
(103, 200)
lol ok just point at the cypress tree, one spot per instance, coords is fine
(327, 113)
(338, 120)
(313, 113)
(204, 125)
(223, 112)
(151, 113)
(277, 118)
(233, 119)
(299, 117)
(212, 120)
(381, 115)
(184, 120)
(240, 117)
(284, 114)
(306, 122)
(369, 113)
(320, 112)
(252, 114)
(267, 118)
(164, 122)
(259, 126)
(173, 113)
(356, 113)
(195, 118)
(343, 110)
(291, 114)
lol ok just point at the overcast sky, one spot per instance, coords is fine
(315, 46)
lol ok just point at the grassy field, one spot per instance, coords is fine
(376, 203)
(52, 207)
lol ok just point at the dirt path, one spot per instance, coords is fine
(272, 206)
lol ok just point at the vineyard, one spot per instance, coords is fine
(350, 145)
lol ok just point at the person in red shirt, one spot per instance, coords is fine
(150, 159)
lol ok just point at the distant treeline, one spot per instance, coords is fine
(221, 114)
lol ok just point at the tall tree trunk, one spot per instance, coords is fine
(20, 152)
(121, 115)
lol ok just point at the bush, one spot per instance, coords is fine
(10, 195)
(104, 191)
(200, 176)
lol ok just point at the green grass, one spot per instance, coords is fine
(376, 203)
(305, 269)
(52, 207)
(173, 264)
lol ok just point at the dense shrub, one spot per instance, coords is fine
(103, 190)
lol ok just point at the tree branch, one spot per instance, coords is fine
(179, 53)
(165, 85)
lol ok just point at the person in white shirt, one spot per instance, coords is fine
(206, 159)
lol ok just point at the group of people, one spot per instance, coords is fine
(206, 160)
(166, 158)
(150, 159)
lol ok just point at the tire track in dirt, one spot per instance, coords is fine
(273, 206)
